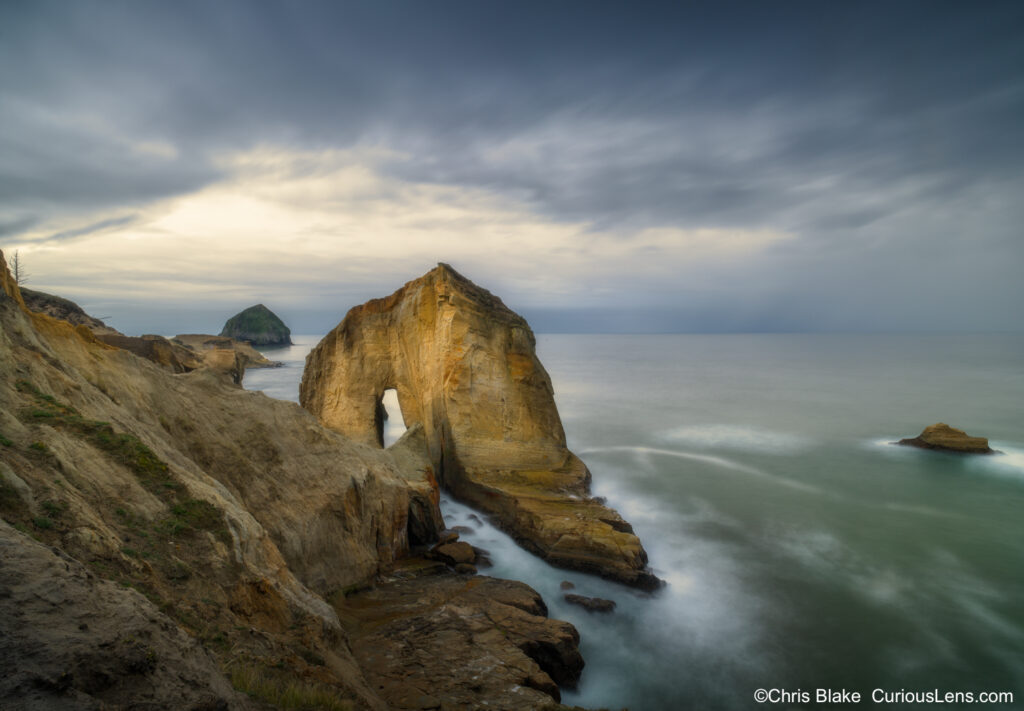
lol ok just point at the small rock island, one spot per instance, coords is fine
(942, 437)
(258, 325)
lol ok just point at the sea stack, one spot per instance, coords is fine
(465, 369)
(943, 437)
(259, 326)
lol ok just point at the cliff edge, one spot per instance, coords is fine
(465, 368)
(169, 540)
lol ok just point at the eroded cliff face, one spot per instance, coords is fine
(233, 513)
(465, 368)
(180, 503)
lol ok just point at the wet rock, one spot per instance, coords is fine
(566, 585)
(590, 604)
(454, 553)
(465, 569)
(483, 557)
(941, 436)
(448, 535)
(463, 640)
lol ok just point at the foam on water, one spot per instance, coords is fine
(1007, 460)
(736, 437)
(707, 459)
(799, 547)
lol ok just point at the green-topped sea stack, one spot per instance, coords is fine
(258, 325)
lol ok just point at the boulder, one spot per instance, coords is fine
(454, 553)
(465, 367)
(943, 437)
(259, 326)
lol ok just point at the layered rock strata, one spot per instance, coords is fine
(465, 368)
(177, 511)
(941, 436)
(203, 343)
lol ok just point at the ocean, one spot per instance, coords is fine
(802, 550)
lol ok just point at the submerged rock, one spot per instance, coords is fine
(258, 325)
(465, 367)
(943, 437)
(590, 604)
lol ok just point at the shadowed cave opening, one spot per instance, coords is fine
(390, 423)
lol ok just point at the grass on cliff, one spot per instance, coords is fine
(125, 449)
(187, 515)
(284, 690)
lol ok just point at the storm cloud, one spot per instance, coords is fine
(719, 166)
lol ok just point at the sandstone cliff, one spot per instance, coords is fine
(204, 343)
(465, 369)
(182, 354)
(234, 515)
(64, 309)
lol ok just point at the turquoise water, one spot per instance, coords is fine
(801, 549)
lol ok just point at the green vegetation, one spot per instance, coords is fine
(123, 448)
(10, 502)
(54, 509)
(284, 690)
(4, 441)
(187, 515)
(43, 523)
(258, 325)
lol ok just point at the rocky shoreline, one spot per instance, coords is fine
(173, 540)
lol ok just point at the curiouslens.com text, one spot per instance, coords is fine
(880, 696)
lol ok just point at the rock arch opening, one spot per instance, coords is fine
(390, 423)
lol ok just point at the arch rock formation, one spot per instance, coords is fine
(465, 368)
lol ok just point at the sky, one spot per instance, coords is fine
(601, 166)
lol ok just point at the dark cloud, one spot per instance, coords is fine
(94, 227)
(16, 225)
(850, 124)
